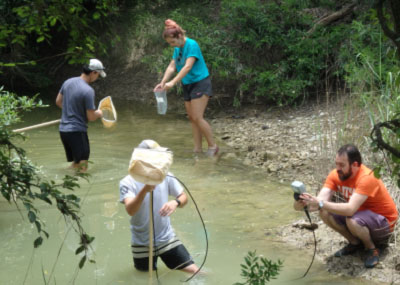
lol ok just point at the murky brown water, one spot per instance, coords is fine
(238, 203)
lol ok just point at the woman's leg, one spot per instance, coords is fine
(197, 108)
(197, 137)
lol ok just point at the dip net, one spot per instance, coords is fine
(109, 118)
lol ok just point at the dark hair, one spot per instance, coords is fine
(86, 69)
(353, 154)
(172, 29)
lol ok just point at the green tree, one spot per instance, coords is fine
(22, 184)
(51, 32)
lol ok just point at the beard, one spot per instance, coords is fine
(344, 176)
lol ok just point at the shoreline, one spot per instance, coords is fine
(290, 144)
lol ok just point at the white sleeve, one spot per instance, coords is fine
(174, 186)
(126, 189)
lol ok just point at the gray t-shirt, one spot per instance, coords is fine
(129, 187)
(78, 97)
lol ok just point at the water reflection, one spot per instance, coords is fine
(239, 206)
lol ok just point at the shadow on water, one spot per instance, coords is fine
(241, 208)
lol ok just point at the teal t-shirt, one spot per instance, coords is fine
(199, 70)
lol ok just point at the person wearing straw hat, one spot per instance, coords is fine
(192, 71)
(135, 196)
(76, 99)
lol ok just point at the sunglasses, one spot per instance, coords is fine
(179, 58)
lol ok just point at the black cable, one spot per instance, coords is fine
(154, 238)
(204, 227)
(315, 241)
(297, 197)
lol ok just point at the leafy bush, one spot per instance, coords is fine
(43, 30)
(20, 180)
(259, 270)
(256, 50)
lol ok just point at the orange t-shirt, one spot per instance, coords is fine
(365, 183)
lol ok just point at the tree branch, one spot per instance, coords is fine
(394, 35)
(329, 19)
(382, 20)
(376, 135)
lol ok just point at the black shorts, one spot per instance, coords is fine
(76, 145)
(175, 258)
(197, 89)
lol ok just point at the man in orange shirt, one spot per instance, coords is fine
(368, 215)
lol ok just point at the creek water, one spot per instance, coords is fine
(240, 206)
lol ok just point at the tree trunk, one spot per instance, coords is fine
(394, 10)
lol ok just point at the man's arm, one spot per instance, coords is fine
(59, 100)
(132, 205)
(93, 115)
(346, 209)
(325, 194)
(168, 208)
(343, 209)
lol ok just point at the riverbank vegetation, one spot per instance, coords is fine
(23, 184)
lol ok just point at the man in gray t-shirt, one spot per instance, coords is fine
(76, 98)
(135, 196)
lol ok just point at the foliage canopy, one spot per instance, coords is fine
(50, 32)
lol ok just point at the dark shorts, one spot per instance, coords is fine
(175, 258)
(377, 225)
(76, 145)
(197, 89)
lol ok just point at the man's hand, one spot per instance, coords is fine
(299, 204)
(310, 201)
(168, 208)
(149, 188)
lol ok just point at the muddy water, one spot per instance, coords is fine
(240, 206)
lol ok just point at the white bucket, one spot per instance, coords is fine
(161, 98)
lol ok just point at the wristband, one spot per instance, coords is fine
(177, 201)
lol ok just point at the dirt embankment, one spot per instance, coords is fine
(300, 144)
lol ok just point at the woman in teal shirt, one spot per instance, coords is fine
(188, 61)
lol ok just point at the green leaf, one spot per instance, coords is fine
(80, 249)
(53, 21)
(82, 262)
(40, 39)
(38, 242)
(96, 15)
(31, 216)
(377, 172)
(38, 226)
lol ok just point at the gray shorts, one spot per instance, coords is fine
(378, 225)
(197, 89)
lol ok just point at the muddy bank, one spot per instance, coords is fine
(300, 144)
